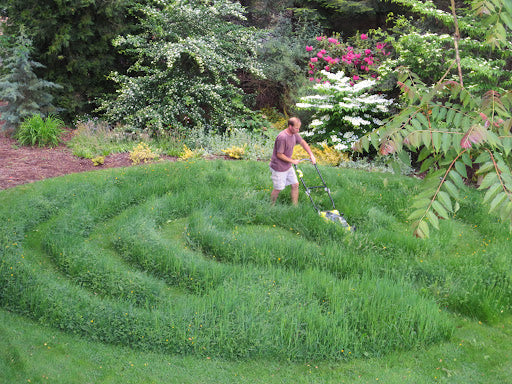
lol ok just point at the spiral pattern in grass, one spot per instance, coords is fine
(190, 258)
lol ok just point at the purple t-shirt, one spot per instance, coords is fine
(284, 144)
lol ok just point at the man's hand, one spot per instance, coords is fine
(313, 160)
(295, 161)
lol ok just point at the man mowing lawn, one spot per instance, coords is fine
(283, 173)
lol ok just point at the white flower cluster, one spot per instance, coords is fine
(344, 110)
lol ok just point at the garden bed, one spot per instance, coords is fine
(20, 165)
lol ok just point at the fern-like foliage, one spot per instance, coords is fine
(454, 132)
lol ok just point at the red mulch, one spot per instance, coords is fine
(20, 165)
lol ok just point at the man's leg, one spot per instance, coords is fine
(273, 196)
(295, 194)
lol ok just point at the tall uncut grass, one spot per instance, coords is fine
(191, 258)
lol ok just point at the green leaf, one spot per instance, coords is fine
(416, 214)
(404, 158)
(440, 210)
(461, 169)
(446, 142)
(422, 231)
(421, 203)
(507, 4)
(451, 189)
(444, 199)
(435, 111)
(423, 120)
(491, 192)
(497, 201)
(365, 143)
(436, 139)
(424, 153)
(485, 168)
(483, 157)
(507, 145)
(426, 137)
(449, 116)
(467, 160)
(456, 143)
(457, 120)
(426, 164)
(432, 218)
(442, 114)
(414, 139)
(506, 211)
(493, 139)
(416, 124)
(507, 20)
(455, 177)
(488, 180)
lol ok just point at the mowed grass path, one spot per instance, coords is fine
(190, 259)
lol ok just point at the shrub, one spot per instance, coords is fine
(99, 160)
(43, 132)
(343, 111)
(360, 59)
(235, 152)
(324, 155)
(142, 153)
(191, 153)
(186, 71)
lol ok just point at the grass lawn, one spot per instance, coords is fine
(184, 273)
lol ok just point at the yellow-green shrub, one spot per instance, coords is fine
(235, 152)
(190, 153)
(142, 153)
(98, 160)
(324, 155)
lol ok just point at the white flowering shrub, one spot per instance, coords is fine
(428, 51)
(187, 58)
(343, 111)
(429, 54)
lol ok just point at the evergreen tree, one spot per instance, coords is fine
(24, 92)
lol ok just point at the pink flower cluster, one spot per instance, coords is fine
(357, 63)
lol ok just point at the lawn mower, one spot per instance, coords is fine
(333, 215)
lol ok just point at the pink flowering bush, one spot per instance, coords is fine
(344, 100)
(359, 59)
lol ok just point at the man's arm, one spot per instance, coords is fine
(283, 157)
(308, 150)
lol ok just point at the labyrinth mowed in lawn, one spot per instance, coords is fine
(191, 258)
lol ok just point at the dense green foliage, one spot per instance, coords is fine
(427, 47)
(187, 59)
(217, 271)
(23, 91)
(456, 129)
(73, 40)
(282, 55)
(41, 131)
(454, 133)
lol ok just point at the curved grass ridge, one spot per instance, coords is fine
(191, 258)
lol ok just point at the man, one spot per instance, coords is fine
(281, 163)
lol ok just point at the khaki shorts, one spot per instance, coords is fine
(282, 179)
